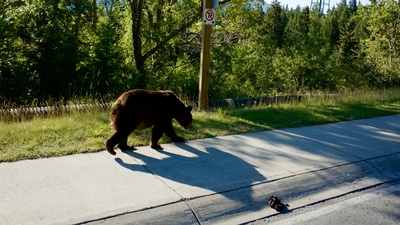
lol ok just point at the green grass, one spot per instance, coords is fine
(83, 132)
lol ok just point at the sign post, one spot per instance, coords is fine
(208, 20)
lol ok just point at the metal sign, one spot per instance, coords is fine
(209, 16)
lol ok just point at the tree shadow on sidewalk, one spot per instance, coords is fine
(202, 173)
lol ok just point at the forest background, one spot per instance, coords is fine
(63, 49)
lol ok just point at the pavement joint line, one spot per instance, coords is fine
(126, 213)
(308, 172)
(182, 199)
(186, 200)
(158, 178)
(344, 169)
(388, 190)
(291, 176)
(324, 200)
(193, 212)
(375, 168)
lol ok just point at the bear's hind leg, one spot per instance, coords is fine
(112, 141)
(120, 138)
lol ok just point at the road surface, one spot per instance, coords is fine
(378, 205)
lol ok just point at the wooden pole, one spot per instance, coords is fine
(205, 60)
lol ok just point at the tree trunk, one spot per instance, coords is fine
(137, 7)
(94, 15)
(137, 14)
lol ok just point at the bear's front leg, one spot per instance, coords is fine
(156, 133)
(123, 144)
(170, 132)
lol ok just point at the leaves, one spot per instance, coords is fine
(381, 47)
(61, 49)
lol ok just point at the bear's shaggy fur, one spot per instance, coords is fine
(139, 109)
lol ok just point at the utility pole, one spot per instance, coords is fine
(208, 20)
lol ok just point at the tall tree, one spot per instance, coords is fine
(382, 46)
(353, 6)
(106, 69)
(273, 26)
(165, 15)
(296, 31)
(15, 71)
(46, 37)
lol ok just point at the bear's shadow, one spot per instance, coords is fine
(212, 169)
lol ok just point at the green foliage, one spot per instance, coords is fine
(61, 49)
(296, 31)
(381, 46)
(273, 26)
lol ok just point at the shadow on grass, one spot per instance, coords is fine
(306, 115)
(207, 125)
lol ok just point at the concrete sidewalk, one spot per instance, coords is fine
(216, 180)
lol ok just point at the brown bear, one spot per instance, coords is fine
(139, 109)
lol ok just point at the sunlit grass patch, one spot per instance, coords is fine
(87, 131)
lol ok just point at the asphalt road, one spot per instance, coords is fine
(378, 205)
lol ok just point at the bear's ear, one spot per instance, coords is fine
(189, 108)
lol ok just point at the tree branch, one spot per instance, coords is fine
(172, 35)
(179, 30)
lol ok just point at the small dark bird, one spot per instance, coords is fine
(276, 204)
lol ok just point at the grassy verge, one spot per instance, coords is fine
(84, 132)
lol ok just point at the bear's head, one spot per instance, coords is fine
(184, 117)
(179, 111)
